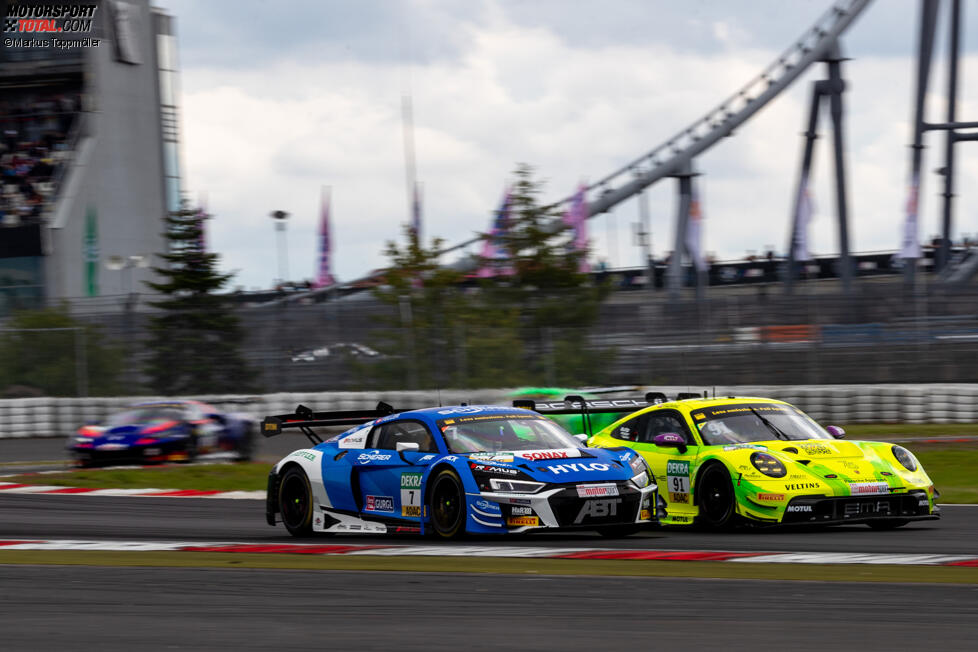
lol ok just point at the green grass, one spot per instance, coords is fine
(952, 470)
(803, 572)
(884, 430)
(249, 476)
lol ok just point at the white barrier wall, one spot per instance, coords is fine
(829, 404)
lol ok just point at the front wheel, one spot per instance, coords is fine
(447, 505)
(295, 502)
(716, 498)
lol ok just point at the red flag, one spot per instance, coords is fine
(910, 247)
(694, 232)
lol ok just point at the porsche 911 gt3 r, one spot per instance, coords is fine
(450, 471)
(723, 459)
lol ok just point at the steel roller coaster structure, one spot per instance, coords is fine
(675, 158)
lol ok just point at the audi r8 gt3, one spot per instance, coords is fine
(162, 432)
(764, 461)
(451, 471)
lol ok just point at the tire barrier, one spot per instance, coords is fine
(829, 404)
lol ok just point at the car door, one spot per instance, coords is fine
(388, 481)
(673, 467)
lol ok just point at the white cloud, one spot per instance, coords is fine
(267, 137)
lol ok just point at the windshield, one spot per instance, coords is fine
(145, 414)
(742, 423)
(505, 432)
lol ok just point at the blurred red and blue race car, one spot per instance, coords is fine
(165, 431)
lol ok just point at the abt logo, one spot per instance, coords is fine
(597, 509)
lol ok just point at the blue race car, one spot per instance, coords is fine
(167, 431)
(451, 471)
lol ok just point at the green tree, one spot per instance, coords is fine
(195, 342)
(50, 352)
(511, 329)
(422, 334)
(556, 302)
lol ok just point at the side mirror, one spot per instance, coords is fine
(408, 446)
(836, 431)
(581, 438)
(670, 439)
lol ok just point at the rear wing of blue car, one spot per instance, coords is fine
(305, 419)
(574, 404)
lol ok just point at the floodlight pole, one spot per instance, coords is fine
(280, 218)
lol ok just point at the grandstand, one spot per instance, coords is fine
(89, 157)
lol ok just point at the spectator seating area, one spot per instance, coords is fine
(35, 142)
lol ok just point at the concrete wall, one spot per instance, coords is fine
(829, 404)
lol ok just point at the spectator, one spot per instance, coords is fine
(34, 127)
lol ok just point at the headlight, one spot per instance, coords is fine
(905, 458)
(768, 465)
(643, 474)
(514, 486)
(638, 464)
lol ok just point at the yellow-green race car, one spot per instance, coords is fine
(723, 460)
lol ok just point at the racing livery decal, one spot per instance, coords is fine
(411, 494)
(677, 481)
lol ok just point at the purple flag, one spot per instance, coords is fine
(493, 252)
(324, 276)
(804, 217)
(576, 218)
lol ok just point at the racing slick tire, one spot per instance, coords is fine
(888, 523)
(717, 501)
(295, 502)
(446, 504)
(617, 531)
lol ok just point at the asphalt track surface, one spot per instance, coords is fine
(123, 609)
(202, 519)
(115, 609)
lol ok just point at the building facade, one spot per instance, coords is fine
(90, 152)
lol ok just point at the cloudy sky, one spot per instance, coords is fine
(281, 99)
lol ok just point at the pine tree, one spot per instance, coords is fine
(196, 341)
(557, 304)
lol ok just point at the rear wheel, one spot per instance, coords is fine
(716, 498)
(447, 505)
(295, 502)
(887, 523)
